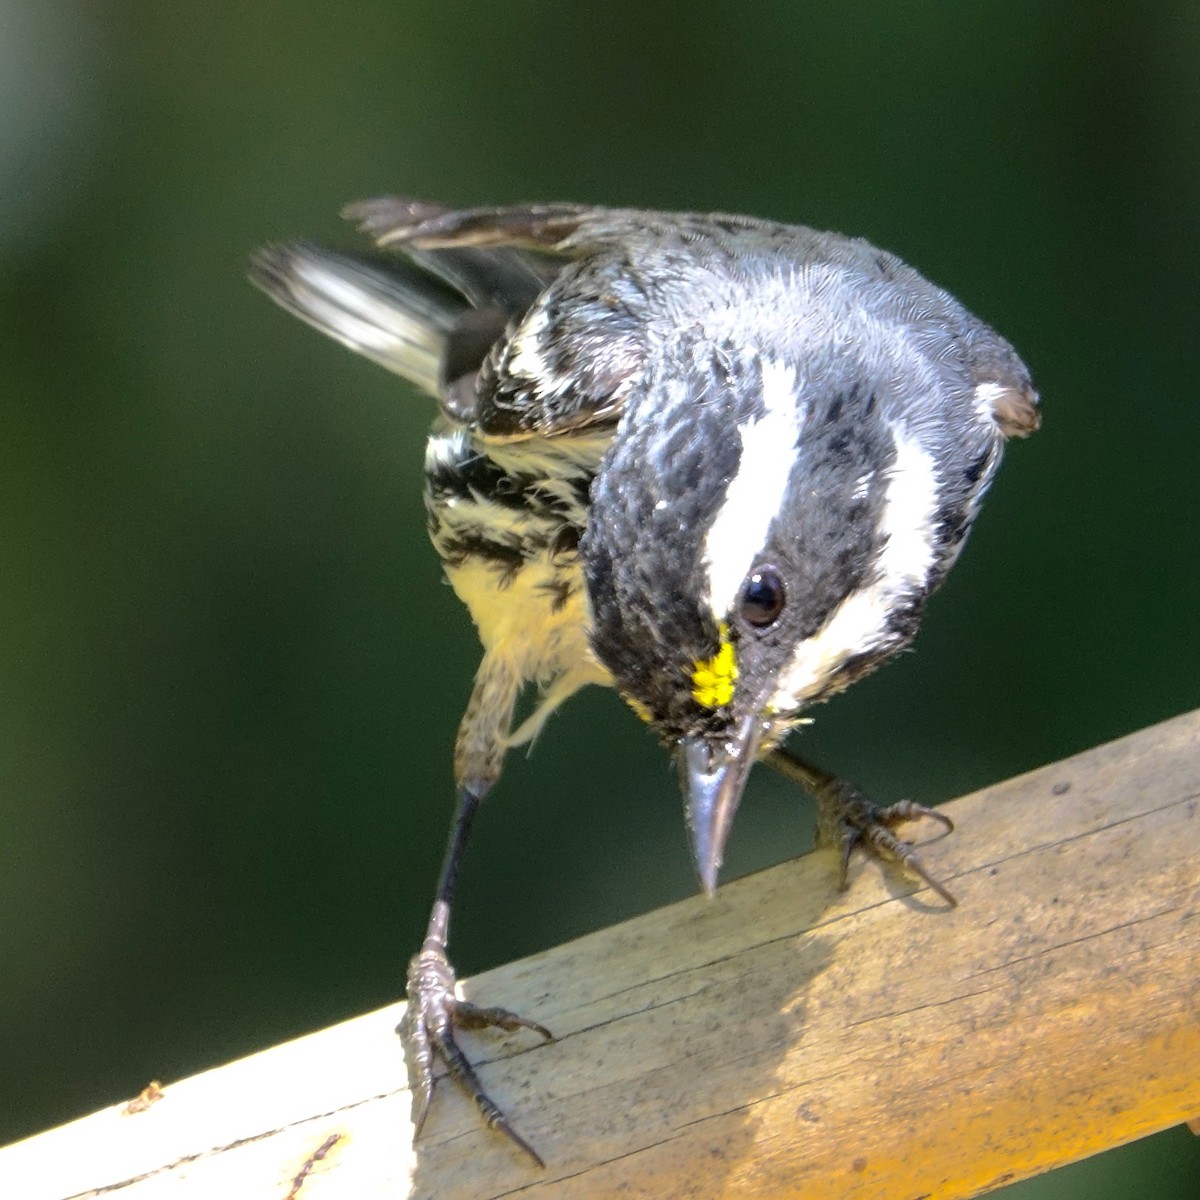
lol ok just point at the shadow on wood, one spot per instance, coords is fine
(781, 1040)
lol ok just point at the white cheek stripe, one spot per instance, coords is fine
(859, 623)
(755, 493)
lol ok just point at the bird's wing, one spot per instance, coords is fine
(396, 222)
(568, 360)
(393, 313)
(496, 273)
(565, 230)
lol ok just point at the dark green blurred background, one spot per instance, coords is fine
(230, 673)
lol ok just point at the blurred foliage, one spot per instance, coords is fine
(230, 672)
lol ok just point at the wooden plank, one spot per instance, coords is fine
(781, 1040)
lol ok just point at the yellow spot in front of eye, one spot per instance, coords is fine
(713, 678)
(639, 708)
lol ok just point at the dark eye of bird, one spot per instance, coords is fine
(762, 597)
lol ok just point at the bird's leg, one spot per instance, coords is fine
(846, 819)
(433, 1008)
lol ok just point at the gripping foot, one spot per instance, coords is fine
(434, 1011)
(847, 820)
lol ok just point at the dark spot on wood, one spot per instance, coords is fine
(310, 1162)
(151, 1094)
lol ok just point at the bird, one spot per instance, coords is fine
(715, 462)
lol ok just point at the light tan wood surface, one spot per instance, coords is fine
(781, 1040)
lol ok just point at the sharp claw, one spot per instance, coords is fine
(519, 1141)
(939, 889)
(471, 1016)
(850, 839)
(497, 1120)
(914, 864)
(459, 1066)
(415, 1031)
(424, 1095)
(910, 810)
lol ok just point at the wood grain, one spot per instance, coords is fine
(781, 1040)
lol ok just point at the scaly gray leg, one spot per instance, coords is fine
(433, 1008)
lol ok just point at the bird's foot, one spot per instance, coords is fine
(848, 820)
(428, 1031)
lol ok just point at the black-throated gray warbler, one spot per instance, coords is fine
(714, 462)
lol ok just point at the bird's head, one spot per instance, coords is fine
(761, 534)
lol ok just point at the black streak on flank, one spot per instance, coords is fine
(559, 592)
(474, 475)
(565, 541)
(478, 477)
(507, 559)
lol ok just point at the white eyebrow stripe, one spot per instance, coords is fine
(755, 493)
(860, 623)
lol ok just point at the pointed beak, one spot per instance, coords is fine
(713, 775)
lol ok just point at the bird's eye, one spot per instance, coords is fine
(762, 597)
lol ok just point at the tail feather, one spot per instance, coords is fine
(391, 312)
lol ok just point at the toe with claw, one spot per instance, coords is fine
(428, 1031)
(849, 820)
(846, 819)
